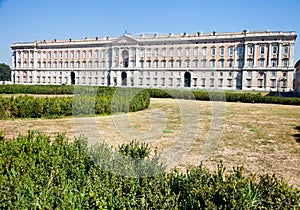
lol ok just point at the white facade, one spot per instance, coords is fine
(259, 60)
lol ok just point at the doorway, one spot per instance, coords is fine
(72, 78)
(124, 78)
(187, 79)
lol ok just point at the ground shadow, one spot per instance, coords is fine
(297, 135)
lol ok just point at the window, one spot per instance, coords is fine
(196, 52)
(203, 63)
(148, 63)
(204, 51)
(187, 52)
(273, 74)
(261, 62)
(179, 52)
(222, 51)
(72, 54)
(230, 73)
(60, 64)
(285, 62)
(240, 64)
(103, 53)
(170, 81)
(67, 54)
(164, 52)
(96, 64)
(195, 63)
(142, 63)
(274, 49)
(39, 55)
(229, 81)
(250, 63)
(286, 50)
(149, 52)
(84, 54)
(221, 63)
(156, 52)
(78, 54)
(262, 50)
(230, 51)
(249, 73)
(213, 51)
(249, 82)
(163, 64)
(66, 65)
(156, 63)
(172, 52)
(90, 64)
(203, 82)
(78, 64)
(230, 63)
(213, 63)
(220, 82)
(240, 51)
(44, 55)
(212, 81)
(274, 63)
(84, 64)
(103, 64)
(171, 63)
(187, 62)
(260, 83)
(273, 83)
(250, 50)
(221, 74)
(97, 53)
(72, 64)
(91, 54)
(179, 63)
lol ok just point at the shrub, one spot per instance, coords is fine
(36, 172)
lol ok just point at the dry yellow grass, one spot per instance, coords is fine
(263, 138)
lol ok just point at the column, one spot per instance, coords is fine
(269, 55)
(254, 55)
(245, 56)
(279, 54)
(291, 56)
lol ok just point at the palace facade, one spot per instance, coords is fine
(258, 60)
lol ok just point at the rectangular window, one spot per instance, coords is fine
(163, 64)
(230, 63)
(274, 49)
(221, 63)
(240, 51)
(250, 63)
(179, 64)
(170, 81)
(149, 64)
(187, 52)
(220, 82)
(67, 54)
(286, 50)
(274, 63)
(97, 53)
(78, 54)
(149, 52)
(156, 52)
(84, 54)
(172, 52)
(203, 82)
(187, 63)
(230, 51)
(203, 63)
(91, 54)
(72, 54)
(156, 64)
(261, 63)
(213, 63)
(222, 51)
(240, 64)
(250, 50)
(204, 51)
(179, 52)
(164, 52)
(172, 64)
(285, 62)
(262, 50)
(249, 82)
(196, 52)
(195, 64)
(212, 81)
(213, 51)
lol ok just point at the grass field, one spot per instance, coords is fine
(264, 138)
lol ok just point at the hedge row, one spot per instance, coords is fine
(221, 96)
(78, 105)
(36, 173)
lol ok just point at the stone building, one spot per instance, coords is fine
(297, 78)
(258, 60)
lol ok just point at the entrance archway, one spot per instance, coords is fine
(72, 78)
(187, 79)
(125, 57)
(124, 78)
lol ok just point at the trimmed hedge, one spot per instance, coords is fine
(80, 104)
(221, 96)
(36, 173)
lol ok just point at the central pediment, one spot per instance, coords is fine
(124, 39)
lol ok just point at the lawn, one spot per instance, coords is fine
(264, 138)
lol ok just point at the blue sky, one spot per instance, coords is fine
(30, 20)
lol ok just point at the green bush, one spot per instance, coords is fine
(36, 173)
(125, 100)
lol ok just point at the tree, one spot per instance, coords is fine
(5, 74)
